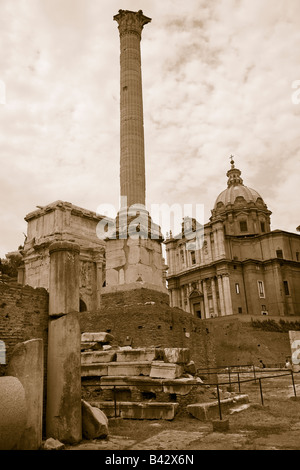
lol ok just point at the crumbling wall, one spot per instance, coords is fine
(143, 318)
(23, 316)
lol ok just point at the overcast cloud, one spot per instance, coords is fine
(217, 80)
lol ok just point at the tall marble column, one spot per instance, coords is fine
(227, 294)
(214, 296)
(132, 158)
(206, 305)
(221, 295)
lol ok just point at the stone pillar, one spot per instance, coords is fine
(63, 413)
(27, 365)
(132, 161)
(221, 295)
(206, 306)
(64, 278)
(227, 295)
(220, 236)
(216, 244)
(214, 296)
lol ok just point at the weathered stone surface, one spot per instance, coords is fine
(27, 364)
(94, 422)
(177, 355)
(180, 386)
(99, 337)
(141, 410)
(143, 384)
(63, 414)
(94, 370)
(13, 412)
(204, 411)
(129, 368)
(139, 354)
(220, 425)
(190, 368)
(64, 277)
(88, 345)
(294, 337)
(165, 371)
(97, 356)
(53, 444)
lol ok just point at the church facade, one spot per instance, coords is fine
(241, 267)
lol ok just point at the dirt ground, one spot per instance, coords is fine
(273, 425)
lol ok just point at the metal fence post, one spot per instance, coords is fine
(219, 402)
(115, 401)
(253, 367)
(261, 392)
(293, 381)
(238, 375)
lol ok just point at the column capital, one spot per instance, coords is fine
(131, 21)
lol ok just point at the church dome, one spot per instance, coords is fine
(237, 193)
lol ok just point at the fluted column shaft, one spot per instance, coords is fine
(132, 153)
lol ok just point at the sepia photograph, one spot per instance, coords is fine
(150, 231)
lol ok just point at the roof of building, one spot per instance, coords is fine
(236, 189)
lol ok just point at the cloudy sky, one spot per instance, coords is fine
(217, 80)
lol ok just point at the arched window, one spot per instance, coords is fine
(82, 306)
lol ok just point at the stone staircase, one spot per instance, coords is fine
(136, 383)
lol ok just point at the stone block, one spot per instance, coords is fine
(129, 368)
(27, 364)
(294, 337)
(210, 410)
(116, 259)
(53, 444)
(13, 412)
(94, 422)
(94, 370)
(220, 425)
(134, 254)
(165, 371)
(112, 277)
(97, 356)
(181, 386)
(99, 337)
(190, 368)
(134, 410)
(143, 384)
(138, 354)
(177, 355)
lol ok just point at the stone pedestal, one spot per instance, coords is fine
(27, 364)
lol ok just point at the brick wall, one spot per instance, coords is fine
(23, 315)
(144, 318)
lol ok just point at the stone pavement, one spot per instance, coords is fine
(204, 439)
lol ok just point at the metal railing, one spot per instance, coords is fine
(258, 377)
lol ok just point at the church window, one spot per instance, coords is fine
(237, 288)
(261, 289)
(243, 226)
(297, 255)
(279, 254)
(193, 257)
(286, 287)
(263, 226)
